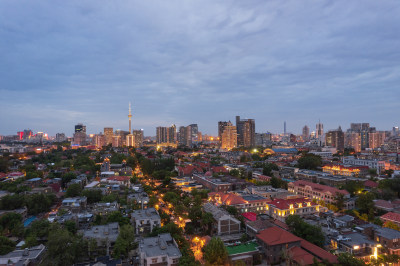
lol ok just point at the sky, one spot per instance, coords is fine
(185, 62)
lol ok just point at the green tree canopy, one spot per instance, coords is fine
(74, 190)
(125, 241)
(309, 161)
(215, 252)
(304, 230)
(6, 245)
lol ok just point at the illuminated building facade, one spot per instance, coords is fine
(80, 135)
(356, 171)
(335, 138)
(280, 209)
(246, 130)
(108, 134)
(376, 139)
(166, 135)
(221, 127)
(185, 136)
(229, 137)
(353, 140)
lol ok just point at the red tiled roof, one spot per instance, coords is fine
(301, 256)
(284, 204)
(370, 183)
(320, 187)
(12, 174)
(281, 224)
(2, 175)
(251, 216)
(219, 169)
(318, 252)
(232, 199)
(275, 236)
(118, 178)
(189, 169)
(383, 204)
(391, 216)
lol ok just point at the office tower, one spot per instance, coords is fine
(306, 133)
(123, 136)
(292, 138)
(60, 137)
(335, 138)
(185, 136)
(80, 135)
(108, 135)
(229, 137)
(319, 133)
(284, 128)
(263, 139)
(221, 126)
(117, 141)
(246, 130)
(194, 132)
(80, 128)
(138, 135)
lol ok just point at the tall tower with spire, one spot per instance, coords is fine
(130, 119)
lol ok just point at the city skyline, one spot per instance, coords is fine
(201, 62)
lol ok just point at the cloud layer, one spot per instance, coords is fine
(183, 62)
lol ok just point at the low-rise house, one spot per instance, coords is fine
(213, 184)
(159, 250)
(144, 221)
(140, 198)
(357, 244)
(34, 182)
(75, 204)
(119, 180)
(268, 192)
(391, 217)
(104, 208)
(105, 235)
(244, 254)
(224, 224)
(343, 221)
(28, 256)
(276, 242)
(280, 209)
(388, 238)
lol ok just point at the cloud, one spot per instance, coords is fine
(197, 62)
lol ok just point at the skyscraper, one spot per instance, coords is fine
(108, 135)
(166, 135)
(335, 138)
(284, 128)
(185, 136)
(319, 130)
(229, 137)
(306, 133)
(221, 126)
(194, 131)
(80, 135)
(138, 135)
(246, 130)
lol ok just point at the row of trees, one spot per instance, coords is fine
(36, 203)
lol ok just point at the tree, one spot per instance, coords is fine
(116, 216)
(74, 190)
(125, 241)
(339, 201)
(309, 161)
(64, 248)
(66, 178)
(11, 223)
(391, 225)
(6, 245)
(353, 187)
(267, 169)
(347, 259)
(304, 230)
(232, 210)
(207, 220)
(365, 203)
(71, 226)
(92, 195)
(39, 228)
(215, 252)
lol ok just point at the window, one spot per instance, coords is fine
(164, 259)
(154, 260)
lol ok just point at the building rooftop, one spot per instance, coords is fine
(22, 255)
(160, 245)
(149, 213)
(319, 187)
(108, 231)
(276, 236)
(243, 248)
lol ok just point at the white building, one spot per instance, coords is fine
(159, 250)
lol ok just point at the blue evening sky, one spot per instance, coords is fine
(183, 62)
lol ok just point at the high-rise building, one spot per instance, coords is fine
(306, 133)
(130, 119)
(166, 135)
(138, 135)
(395, 131)
(194, 131)
(353, 140)
(284, 128)
(319, 133)
(229, 137)
(263, 139)
(335, 138)
(80, 135)
(28, 134)
(80, 128)
(60, 137)
(99, 140)
(376, 139)
(221, 126)
(185, 136)
(246, 130)
(108, 135)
